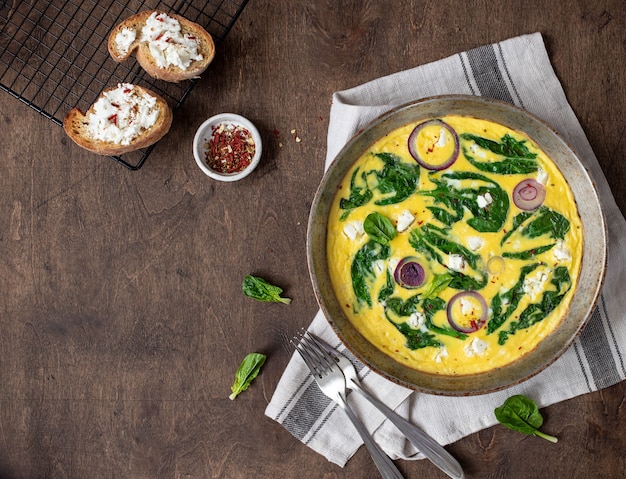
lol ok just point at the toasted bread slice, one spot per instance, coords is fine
(124, 118)
(167, 46)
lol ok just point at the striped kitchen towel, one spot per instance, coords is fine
(517, 71)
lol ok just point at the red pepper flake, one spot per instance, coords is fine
(230, 148)
(113, 119)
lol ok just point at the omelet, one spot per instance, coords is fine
(454, 245)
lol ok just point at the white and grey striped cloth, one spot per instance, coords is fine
(517, 71)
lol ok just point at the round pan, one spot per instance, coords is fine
(592, 268)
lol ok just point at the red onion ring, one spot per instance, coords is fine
(529, 194)
(474, 325)
(409, 273)
(414, 150)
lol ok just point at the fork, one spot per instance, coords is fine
(332, 383)
(430, 448)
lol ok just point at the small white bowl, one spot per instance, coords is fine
(204, 134)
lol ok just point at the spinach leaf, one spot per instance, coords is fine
(528, 254)
(538, 311)
(379, 228)
(259, 289)
(437, 285)
(429, 241)
(504, 304)
(509, 166)
(507, 146)
(429, 306)
(518, 221)
(397, 179)
(432, 306)
(518, 159)
(387, 290)
(521, 414)
(362, 269)
(417, 339)
(248, 370)
(358, 196)
(449, 193)
(548, 222)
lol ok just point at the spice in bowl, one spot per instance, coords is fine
(227, 147)
(230, 149)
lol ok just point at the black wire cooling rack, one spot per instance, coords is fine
(54, 57)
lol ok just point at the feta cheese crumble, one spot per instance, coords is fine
(122, 114)
(417, 320)
(353, 230)
(475, 347)
(443, 138)
(124, 39)
(475, 242)
(404, 221)
(542, 176)
(484, 200)
(533, 285)
(168, 44)
(441, 354)
(561, 253)
(456, 262)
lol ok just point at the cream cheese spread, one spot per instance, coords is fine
(122, 114)
(168, 44)
(124, 39)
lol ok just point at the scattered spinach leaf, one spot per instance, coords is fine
(379, 228)
(397, 179)
(387, 290)
(430, 241)
(259, 289)
(518, 221)
(449, 193)
(508, 146)
(359, 195)
(521, 414)
(437, 285)
(504, 304)
(528, 254)
(548, 222)
(518, 159)
(362, 269)
(416, 338)
(419, 338)
(536, 312)
(247, 371)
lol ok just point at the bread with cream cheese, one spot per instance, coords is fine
(167, 46)
(124, 118)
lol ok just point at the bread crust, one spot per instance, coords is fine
(75, 125)
(141, 49)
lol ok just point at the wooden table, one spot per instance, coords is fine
(122, 316)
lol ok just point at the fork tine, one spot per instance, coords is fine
(324, 347)
(323, 357)
(308, 360)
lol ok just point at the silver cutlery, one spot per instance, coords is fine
(332, 383)
(430, 448)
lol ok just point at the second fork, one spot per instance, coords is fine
(332, 383)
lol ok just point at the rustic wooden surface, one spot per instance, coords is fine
(121, 311)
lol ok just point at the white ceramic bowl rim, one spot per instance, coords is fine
(204, 132)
